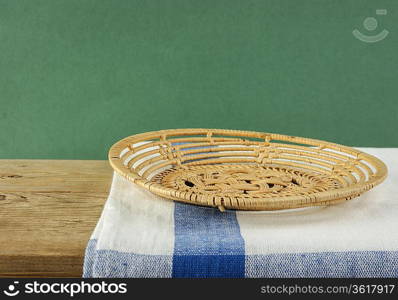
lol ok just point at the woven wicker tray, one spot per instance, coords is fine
(244, 170)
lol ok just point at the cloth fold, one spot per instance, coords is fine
(142, 235)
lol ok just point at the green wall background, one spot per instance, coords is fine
(76, 76)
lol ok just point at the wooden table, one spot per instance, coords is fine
(48, 209)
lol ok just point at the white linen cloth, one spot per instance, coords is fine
(141, 235)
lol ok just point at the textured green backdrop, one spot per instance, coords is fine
(76, 76)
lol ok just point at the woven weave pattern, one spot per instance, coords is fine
(233, 169)
(245, 181)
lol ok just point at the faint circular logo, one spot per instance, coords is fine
(371, 24)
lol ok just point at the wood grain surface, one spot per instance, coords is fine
(48, 209)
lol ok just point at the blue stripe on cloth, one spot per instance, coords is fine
(208, 243)
(350, 264)
(110, 263)
(118, 264)
(89, 258)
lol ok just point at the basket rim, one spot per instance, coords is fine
(295, 201)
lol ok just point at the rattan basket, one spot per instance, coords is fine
(244, 170)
